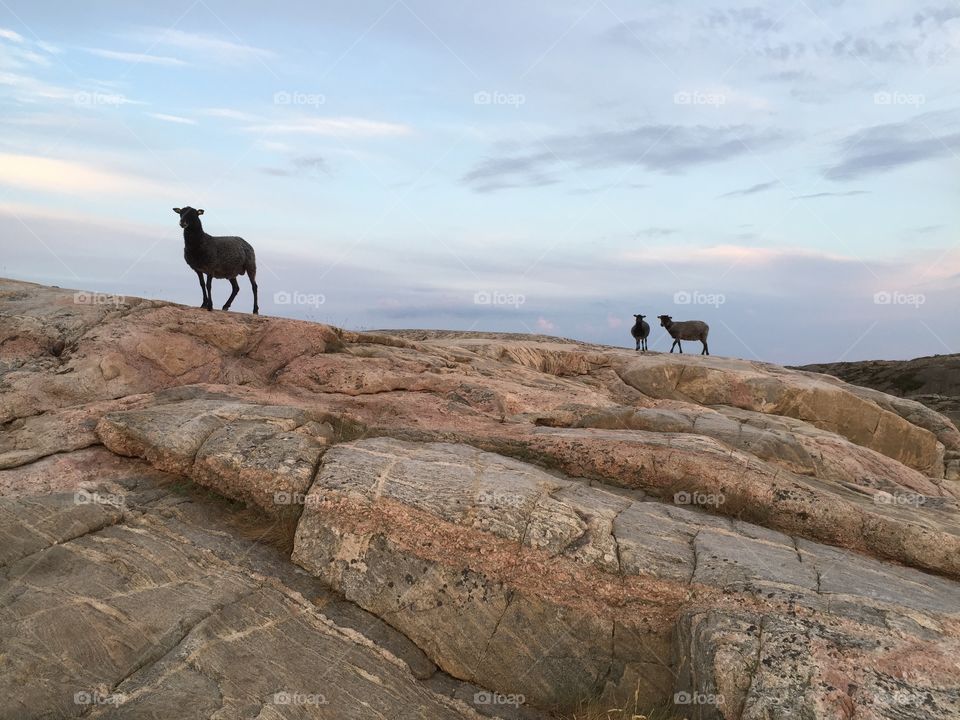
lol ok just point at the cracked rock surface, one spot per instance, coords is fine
(219, 515)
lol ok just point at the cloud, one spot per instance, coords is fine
(334, 127)
(135, 57)
(660, 148)
(74, 178)
(172, 118)
(755, 20)
(209, 47)
(11, 35)
(545, 325)
(303, 165)
(229, 114)
(753, 189)
(657, 232)
(848, 193)
(882, 148)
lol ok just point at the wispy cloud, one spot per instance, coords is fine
(303, 165)
(661, 148)
(209, 47)
(814, 196)
(70, 177)
(172, 118)
(11, 35)
(334, 127)
(229, 114)
(132, 57)
(882, 148)
(752, 190)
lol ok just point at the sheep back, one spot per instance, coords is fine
(689, 330)
(222, 257)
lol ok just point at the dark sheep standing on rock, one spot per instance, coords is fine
(686, 330)
(640, 332)
(218, 257)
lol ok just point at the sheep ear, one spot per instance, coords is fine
(177, 210)
(199, 212)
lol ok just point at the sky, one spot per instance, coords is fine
(787, 172)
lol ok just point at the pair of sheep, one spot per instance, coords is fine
(685, 330)
(218, 257)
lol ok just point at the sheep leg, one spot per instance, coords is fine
(203, 289)
(706, 351)
(253, 284)
(209, 291)
(236, 288)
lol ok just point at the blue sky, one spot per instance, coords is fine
(787, 172)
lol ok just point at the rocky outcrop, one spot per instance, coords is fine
(925, 391)
(438, 524)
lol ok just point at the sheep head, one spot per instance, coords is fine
(187, 215)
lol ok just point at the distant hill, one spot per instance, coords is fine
(933, 381)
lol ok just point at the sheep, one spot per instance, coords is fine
(218, 257)
(686, 330)
(640, 332)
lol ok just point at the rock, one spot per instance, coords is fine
(513, 578)
(923, 390)
(156, 612)
(481, 523)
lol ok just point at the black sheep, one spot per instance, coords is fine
(640, 332)
(218, 257)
